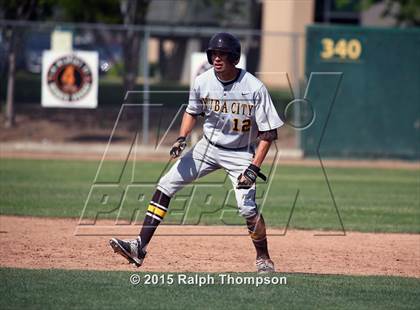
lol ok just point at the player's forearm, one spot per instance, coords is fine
(187, 125)
(261, 152)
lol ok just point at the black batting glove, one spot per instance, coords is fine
(247, 178)
(178, 147)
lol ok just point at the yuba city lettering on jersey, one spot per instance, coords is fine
(234, 112)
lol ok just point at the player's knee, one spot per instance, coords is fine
(169, 184)
(247, 209)
(248, 212)
(170, 192)
(246, 203)
(166, 186)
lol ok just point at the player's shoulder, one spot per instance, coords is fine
(204, 77)
(251, 82)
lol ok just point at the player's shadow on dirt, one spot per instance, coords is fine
(97, 138)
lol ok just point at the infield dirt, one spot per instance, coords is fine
(41, 243)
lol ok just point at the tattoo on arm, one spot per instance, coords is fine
(269, 135)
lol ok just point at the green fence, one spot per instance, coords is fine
(376, 109)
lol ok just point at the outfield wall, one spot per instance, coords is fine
(376, 111)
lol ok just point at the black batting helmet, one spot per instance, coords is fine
(225, 42)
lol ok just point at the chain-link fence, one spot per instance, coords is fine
(162, 70)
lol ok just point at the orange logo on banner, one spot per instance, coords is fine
(69, 78)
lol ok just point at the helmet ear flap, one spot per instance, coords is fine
(209, 56)
(234, 59)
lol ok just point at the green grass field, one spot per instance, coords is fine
(375, 200)
(62, 289)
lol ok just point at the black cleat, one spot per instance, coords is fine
(129, 249)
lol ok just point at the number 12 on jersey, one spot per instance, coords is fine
(241, 125)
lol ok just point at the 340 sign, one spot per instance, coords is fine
(341, 49)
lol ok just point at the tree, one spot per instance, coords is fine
(127, 12)
(134, 12)
(18, 10)
(212, 13)
(405, 12)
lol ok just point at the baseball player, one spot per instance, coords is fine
(240, 123)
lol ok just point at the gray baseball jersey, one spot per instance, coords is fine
(234, 112)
